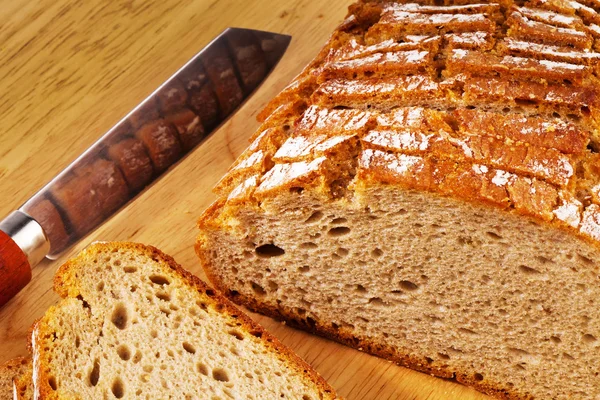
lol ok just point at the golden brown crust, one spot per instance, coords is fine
(66, 285)
(497, 87)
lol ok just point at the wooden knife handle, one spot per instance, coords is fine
(15, 271)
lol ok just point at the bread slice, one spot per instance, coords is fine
(15, 379)
(134, 324)
(10, 371)
(428, 190)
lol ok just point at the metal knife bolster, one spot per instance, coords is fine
(23, 243)
(28, 234)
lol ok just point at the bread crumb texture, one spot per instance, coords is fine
(133, 324)
(428, 190)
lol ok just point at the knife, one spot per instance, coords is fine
(153, 137)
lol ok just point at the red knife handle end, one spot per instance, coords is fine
(15, 271)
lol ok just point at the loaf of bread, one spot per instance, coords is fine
(133, 324)
(428, 190)
(10, 374)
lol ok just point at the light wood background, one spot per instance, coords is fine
(70, 69)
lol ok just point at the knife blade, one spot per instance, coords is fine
(152, 138)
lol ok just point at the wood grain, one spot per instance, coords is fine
(70, 69)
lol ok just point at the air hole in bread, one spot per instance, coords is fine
(314, 217)
(123, 352)
(118, 388)
(100, 286)
(164, 296)
(137, 357)
(409, 286)
(219, 374)
(377, 252)
(304, 269)
(202, 368)
(259, 290)
(342, 252)
(525, 102)
(443, 356)
(585, 110)
(377, 302)
(544, 260)
(119, 316)
(306, 397)
(234, 351)
(528, 270)
(338, 231)
(159, 280)
(273, 286)
(520, 367)
(494, 235)
(308, 245)
(236, 334)
(52, 383)
(269, 250)
(94, 375)
(584, 259)
(555, 339)
(190, 348)
(478, 377)
(361, 289)
(467, 331)
(165, 311)
(589, 339)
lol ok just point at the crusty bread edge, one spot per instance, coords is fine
(65, 285)
(345, 337)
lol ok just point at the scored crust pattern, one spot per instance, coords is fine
(495, 103)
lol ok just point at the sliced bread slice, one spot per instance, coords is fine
(134, 324)
(10, 372)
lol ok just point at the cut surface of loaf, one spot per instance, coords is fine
(10, 374)
(133, 324)
(428, 189)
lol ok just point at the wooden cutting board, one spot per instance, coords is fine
(71, 69)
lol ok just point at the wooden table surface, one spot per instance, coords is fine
(70, 69)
